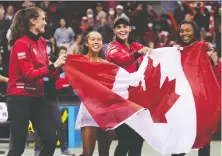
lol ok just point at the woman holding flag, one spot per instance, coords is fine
(29, 64)
(92, 48)
(128, 55)
(188, 34)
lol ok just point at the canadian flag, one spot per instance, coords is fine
(172, 101)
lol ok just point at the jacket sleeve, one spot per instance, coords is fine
(114, 54)
(23, 56)
(54, 74)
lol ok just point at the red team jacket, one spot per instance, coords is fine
(128, 59)
(29, 64)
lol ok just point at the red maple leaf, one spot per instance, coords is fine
(157, 100)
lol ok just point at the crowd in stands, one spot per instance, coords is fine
(153, 23)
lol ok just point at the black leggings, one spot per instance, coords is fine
(21, 109)
(128, 142)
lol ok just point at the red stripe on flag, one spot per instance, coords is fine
(206, 91)
(106, 107)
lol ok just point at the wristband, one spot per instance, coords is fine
(51, 68)
(136, 55)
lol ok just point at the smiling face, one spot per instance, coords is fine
(38, 24)
(122, 31)
(94, 42)
(186, 33)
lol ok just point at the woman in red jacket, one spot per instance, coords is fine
(128, 55)
(29, 64)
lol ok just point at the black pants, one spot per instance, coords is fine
(21, 109)
(205, 151)
(61, 130)
(128, 142)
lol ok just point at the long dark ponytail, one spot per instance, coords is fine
(21, 23)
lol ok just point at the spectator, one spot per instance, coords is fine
(202, 18)
(85, 27)
(64, 35)
(100, 12)
(106, 31)
(76, 47)
(52, 49)
(27, 4)
(90, 16)
(10, 13)
(119, 10)
(111, 16)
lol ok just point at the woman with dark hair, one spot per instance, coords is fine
(52, 49)
(64, 35)
(92, 48)
(29, 64)
(188, 34)
(76, 47)
(127, 54)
